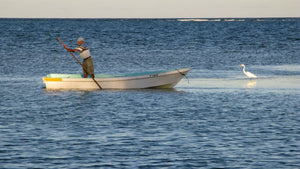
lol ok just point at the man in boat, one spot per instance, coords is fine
(85, 54)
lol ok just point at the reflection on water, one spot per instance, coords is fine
(84, 92)
(250, 84)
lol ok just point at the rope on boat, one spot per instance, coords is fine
(184, 75)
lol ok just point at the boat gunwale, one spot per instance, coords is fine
(127, 78)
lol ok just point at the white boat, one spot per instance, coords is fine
(157, 79)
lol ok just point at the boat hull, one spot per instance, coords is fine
(162, 79)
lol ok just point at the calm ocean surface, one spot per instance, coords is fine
(214, 118)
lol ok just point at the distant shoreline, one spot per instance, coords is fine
(208, 19)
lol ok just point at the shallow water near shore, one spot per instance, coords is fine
(214, 118)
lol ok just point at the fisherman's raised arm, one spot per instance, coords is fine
(70, 50)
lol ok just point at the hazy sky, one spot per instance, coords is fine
(148, 8)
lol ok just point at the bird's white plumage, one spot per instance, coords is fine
(248, 74)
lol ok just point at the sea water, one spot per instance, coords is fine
(214, 118)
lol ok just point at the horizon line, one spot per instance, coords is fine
(290, 17)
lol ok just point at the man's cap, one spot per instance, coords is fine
(80, 39)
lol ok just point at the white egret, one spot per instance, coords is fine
(248, 74)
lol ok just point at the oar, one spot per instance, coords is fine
(80, 64)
